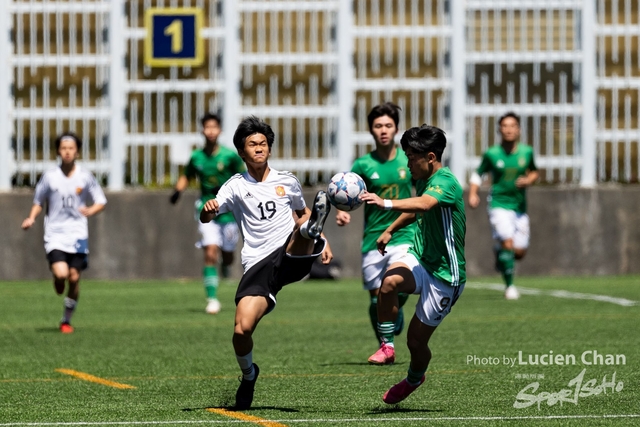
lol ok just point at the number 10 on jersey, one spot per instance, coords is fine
(173, 37)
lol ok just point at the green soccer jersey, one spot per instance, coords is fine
(441, 230)
(389, 179)
(505, 169)
(213, 171)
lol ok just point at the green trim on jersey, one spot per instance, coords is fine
(440, 242)
(213, 171)
(505, 169)
(389, 179)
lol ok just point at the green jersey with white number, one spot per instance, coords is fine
(213, 171)
(441, 230)
(388, 179)
(505, 169)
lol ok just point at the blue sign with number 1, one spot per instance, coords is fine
(173, 37)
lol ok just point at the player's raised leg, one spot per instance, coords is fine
(312, 229)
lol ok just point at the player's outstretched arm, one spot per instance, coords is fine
(209, 211)
(31, 219)
(410, 205)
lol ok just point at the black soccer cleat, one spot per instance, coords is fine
(319, 214)
(244, 395)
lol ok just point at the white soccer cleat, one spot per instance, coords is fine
(511, 293)
(319, 214)
(213, 306)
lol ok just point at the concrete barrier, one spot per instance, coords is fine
(141, 236)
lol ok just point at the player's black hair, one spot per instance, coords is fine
(247, 127)
(72, 135)
(210, 116)
(425, 139)
(386, 109)
(509, 114)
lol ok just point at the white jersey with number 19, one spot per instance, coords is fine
(263, 210)
(65, 228)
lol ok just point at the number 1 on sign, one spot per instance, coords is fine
(175, 31)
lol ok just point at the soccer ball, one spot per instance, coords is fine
(345, 189)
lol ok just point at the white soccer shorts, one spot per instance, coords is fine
(224, 236)
(507, 224)
(436, 297)
(374, 265)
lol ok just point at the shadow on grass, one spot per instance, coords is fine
(395, 409)
(233, 409)
(49, 330)
(358, 364)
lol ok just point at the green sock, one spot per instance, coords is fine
(506, 258)
(413, 377)
(399, 324)
(373, 316)
(402, 299)
(210, 274)
(385, 332)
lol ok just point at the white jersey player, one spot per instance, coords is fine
(277, 250)
(66, 191)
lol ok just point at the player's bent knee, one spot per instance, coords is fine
(389, 285)
(397, 279)
(243, 330)
(519, 253)
(60, 276)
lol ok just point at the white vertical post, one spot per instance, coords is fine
(231, 68)
(117, 94)
(344, 38)
(6, 101)
(588, 94)
(458, 112)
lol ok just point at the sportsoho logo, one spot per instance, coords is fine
(579, 387)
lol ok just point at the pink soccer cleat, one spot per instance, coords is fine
(385, 355)
(400, 391)
(66, 328)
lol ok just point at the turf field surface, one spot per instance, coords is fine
(145, 353)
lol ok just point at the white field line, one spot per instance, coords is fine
(332, 420)
(556, 293)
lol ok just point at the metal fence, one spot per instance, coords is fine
(313, 69)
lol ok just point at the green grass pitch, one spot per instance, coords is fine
(154, 337)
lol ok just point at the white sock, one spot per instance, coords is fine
(304, 230)
(69, 307)
(246, 365)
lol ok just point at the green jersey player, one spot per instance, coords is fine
(434, 267)
(213, 166)
(386, 174)
(512, 168)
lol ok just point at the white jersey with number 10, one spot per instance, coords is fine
(65, 228)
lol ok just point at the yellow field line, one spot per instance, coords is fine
(245, 417)
(93, 379)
